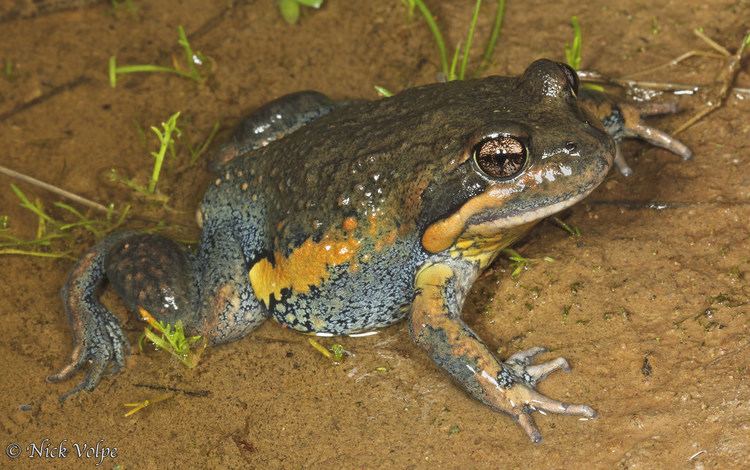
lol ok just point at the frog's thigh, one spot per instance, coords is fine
(436, 325)
(273, 121)
(228, 306)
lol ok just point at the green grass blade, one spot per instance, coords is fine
(469, 38)
(497, 27)
(454, 62)
(384, 92)
(573, 51)
(289, 10)
(311, 3)
(436, 34)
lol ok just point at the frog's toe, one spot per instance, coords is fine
(542, 404)
(102, 346)
(659, 138)
(520, 364)
(620, 161)
(526, 356)
(535, 401)
(528, 400)
(540, 372)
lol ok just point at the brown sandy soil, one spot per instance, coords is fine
(650, 306)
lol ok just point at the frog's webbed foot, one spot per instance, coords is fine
(101, 344)
(504, 386)
(622, 120)
(520, 363)
(99, 339)
(519, 366)
(147, 271)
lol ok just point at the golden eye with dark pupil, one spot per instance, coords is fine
(500, 157)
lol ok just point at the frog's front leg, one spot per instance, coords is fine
(508, 386)
(208, 291)
(623, 120)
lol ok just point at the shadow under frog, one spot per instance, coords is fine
(341, 218)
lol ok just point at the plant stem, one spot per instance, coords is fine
(469, 37)
(430, 20)
(492, 42)
(66, 194)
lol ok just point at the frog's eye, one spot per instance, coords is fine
(500, 157)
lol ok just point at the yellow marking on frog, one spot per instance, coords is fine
(442, 234)
(350, 224)
(307, 266)
(386, 240)
(483, 248)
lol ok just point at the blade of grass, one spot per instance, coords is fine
(469, 37)
(573, 51)
(430, 20)
(489, 48)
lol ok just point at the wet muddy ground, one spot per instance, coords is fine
(649, 306)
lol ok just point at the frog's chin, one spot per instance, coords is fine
(531, 216)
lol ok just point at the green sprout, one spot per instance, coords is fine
(8, 69)
(193, 60)
(196, 152)
(573, 54)
(410, 5)
(573, 51)
(336, 353)
(138, 406)
(519, 263)
(384, 92)
(290, 8)
(167, 136)
(449, 70)
(572, 230)
(166, 141)
(50, 229)
(172, 339)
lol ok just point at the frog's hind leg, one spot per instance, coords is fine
(272, 121)
(97, 334)
(208, 291)
(508, 386)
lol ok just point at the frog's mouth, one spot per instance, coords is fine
(543, 208)
(534, 195)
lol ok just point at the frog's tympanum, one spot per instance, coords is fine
(340, 218)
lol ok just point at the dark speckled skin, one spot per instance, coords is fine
(367, 213)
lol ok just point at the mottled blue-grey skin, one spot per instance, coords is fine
(396, 187)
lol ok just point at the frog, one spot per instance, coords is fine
(343, 217)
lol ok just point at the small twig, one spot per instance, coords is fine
(60, 192)
(675, 61)
(723, 83)
(713, 44)
(166, 388)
